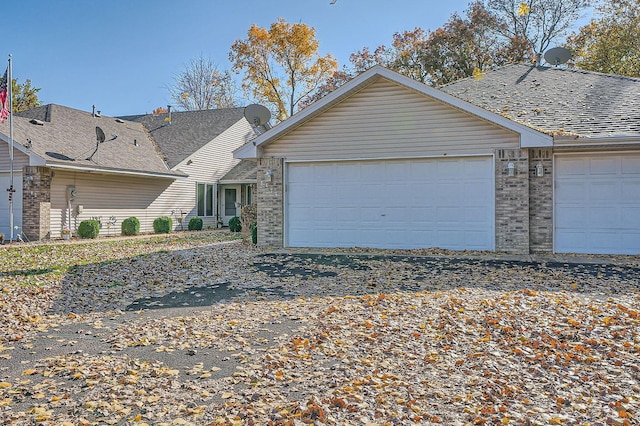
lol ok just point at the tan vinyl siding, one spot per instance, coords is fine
(103, 195)
(387, 120)
(19, 158)
(208, 165)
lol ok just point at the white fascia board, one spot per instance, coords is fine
(247, 151)
(89, 169)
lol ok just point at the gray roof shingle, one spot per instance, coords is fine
(244, 171)
(67, 137)
(189, 130)
(557, 100)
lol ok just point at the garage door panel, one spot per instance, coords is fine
(597, 204)
(631, 241)
(450, 169)
(605, 242)
(423, 172)
(571, 167)
(449, 193)
(629, 217)
(398, 204)
(345, 173)
(630, 166)
(630, 191)
(603, 166)
(609, 215)
(323, 172)
(475, 169)
(572, 191)
(571, 217)
(604, 191)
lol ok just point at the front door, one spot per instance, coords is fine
(230, 203)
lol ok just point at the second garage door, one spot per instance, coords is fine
(446, 203)
(597, 204)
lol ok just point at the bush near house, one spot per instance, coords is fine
(195, 224)
(130, 226)
(163, 225)
(249, 215)
(89, 228)
(254, 232)
(234, 224)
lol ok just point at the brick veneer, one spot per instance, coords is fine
(270, 203)
(36, 202)
(541, 202)
(512, 202)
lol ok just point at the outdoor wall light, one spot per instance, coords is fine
(28, 181)
(268, 175)
(511, 169)
(539, 169)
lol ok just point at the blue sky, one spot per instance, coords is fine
(122, 55)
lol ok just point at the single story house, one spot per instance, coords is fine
(524, 159)
(145, 166)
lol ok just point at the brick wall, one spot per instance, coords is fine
(541, 201)
(512, 202)
(36, 202)
(270, 200)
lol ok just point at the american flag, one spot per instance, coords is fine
(4, 91)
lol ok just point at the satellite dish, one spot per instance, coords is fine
(557, 56)
(99, 135)
(99, 140)
(257, 115)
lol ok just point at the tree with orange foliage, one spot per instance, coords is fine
(282, 65)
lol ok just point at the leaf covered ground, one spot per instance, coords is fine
(426, 337)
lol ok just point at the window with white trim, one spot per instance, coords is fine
(205, 195)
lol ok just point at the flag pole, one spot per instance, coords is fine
(11, 189)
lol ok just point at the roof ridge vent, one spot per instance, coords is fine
(36, 122)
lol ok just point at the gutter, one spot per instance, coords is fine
(117, 172)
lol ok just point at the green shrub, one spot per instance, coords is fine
(234, 224)
(89, 228)
(254, 232)
(163, 225)
(130, 226)
(195, 224)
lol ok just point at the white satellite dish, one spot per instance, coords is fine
(257, 115)
(557, 56)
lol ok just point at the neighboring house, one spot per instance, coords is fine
(62, 175)
(523, 160)
(200, 143)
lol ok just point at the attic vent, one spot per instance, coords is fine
(36, 122)
(119, 120)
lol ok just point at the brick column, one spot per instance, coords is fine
(541, 201)
(36, 202)
(270, 200)
(512, 201)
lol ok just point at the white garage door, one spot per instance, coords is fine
(446, 203)
(4, 203)
(597, 204)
